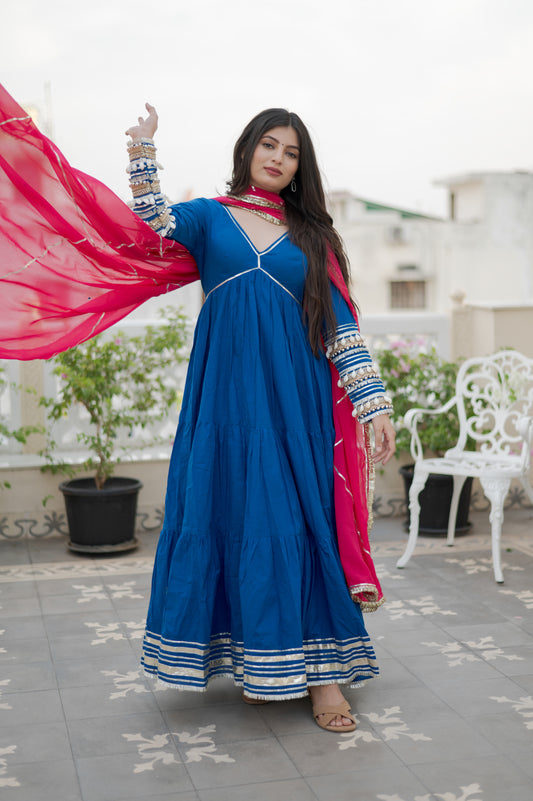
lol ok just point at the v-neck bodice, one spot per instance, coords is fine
(223, 250)
(250, 239)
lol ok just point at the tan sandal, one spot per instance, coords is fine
(325, 714)
(254, 701)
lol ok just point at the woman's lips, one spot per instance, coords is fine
(272, 171)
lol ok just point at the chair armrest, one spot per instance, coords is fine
(411, 419)
(524, 427)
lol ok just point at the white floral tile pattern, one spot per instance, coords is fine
(158, 749)
(471, 793)
(524, 707)
(389, 725)
(472, 566)
(71, 685)
(457, 653)
(5, 780)
(417, 606)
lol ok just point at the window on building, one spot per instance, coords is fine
(408, 294)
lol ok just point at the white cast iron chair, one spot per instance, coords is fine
(499, 389)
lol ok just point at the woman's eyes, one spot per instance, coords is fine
(289, 153)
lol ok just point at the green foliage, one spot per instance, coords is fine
(416, 377)
(20, 434)
(123, 385)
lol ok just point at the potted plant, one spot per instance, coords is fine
(415, 376)
(122, 381)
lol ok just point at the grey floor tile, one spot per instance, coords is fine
(11, 590)
(368, 785)
(392, 675)
(515, 660)
(64, 586)
(498, 778)
(425, 726)
(53, 605)
(325, 753)
(234, 763)
(291, 790)
(43, 781)
(16, 607)
(75, 623)
(107, 700)
(22, 651)
(156, 770)
(522, 759)
(14, 552)
(92, 737)
(30, 708)
(176, 795)
(502, 634)
(474, 698)
(21, 628)
(220, 691)
(414, 705)
(233, 722)
(96, 670)
(29, 676)
(112, 643)
(40, 742)
(525, 682)
(445, 740)
(289, 717)
(435, 669)
(506, 728)
(398, 642)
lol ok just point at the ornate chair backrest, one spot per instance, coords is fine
(493, 394)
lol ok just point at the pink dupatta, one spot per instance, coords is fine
(74, 260)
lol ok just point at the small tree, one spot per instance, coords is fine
(122, 382)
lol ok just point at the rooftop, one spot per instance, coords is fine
(451, 715)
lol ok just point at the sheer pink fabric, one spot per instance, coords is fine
(353, 476)
(74, 259)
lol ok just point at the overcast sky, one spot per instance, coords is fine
(396, 93)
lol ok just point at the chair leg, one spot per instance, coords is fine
(419, 481)
(496, 489)
(458, 482)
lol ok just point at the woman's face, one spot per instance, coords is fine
(275, 160)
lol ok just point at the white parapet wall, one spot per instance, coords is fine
(34, 505)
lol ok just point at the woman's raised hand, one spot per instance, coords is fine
(146, 127)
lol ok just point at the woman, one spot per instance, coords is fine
(248, 580)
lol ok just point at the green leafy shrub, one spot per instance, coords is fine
(122, 382)
(417, 377)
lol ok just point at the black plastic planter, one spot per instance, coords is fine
(101, 521)
(435, 501)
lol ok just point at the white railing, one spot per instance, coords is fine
(431, 329)
(378, 330)
(65, 432)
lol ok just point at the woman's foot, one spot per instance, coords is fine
(330, 708)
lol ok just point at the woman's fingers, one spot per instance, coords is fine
(384, 436)
(146, 126)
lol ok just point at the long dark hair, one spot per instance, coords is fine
(310, 225)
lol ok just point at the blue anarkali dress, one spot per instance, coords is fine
(247, 579)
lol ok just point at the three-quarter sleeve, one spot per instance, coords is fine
(358, 375)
